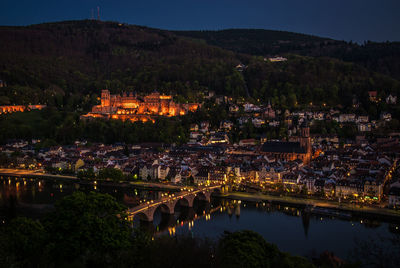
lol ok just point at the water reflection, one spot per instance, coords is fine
(294, 229)
(184, 220)
(34, 197)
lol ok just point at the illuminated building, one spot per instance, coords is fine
(19, 108)
(297, 148)
(129, 106)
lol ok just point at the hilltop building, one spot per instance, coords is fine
(277, 59)
(132, 107)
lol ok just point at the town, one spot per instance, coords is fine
(206, 134)
(362, 170)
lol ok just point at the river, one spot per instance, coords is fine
(292, 229)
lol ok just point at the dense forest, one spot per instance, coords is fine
(67, 63)
(379, 57)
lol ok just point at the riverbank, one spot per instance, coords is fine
(36, 174)
(304, 202)
(32, 174)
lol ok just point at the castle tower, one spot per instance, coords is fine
(105, 100)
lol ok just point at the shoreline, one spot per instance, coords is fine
(302, 202)
(252, 197)
(136, 184)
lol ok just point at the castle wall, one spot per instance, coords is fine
(129, 105)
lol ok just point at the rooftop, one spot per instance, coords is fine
(282, 147)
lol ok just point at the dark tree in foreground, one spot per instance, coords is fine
(21, 243)
(378, 251)
(249, 249)
(89, 226)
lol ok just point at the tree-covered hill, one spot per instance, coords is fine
(65, 64)
(260, 42)
(378, 57)
(85, 56)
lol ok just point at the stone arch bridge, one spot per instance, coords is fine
(167, 204)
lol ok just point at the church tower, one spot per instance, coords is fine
(305, 141)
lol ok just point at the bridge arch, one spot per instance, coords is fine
(164, 209)
(143, 216)
(184, 201)
(201, 196)
(216, 191)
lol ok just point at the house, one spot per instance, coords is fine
(161, 172)
(349, 188)
(394, 197)
(274, 123)
(219, 138)
(291, 180)
(258, 122)
(204, 126)
(218, 175)
(194, 127)
(195, 135)
(226, 124)
(271, 174)
(356, 102)
(363, 119)
(269, 112)
(373, 96)
(373, 189)
(277, 59)
(319, 116)
(247, 142)
(174, 175)
(240, 67)
(329, 187)
(221, 99)
(62, 164)
(310, 184)
(209, 94)
(146, 172)
(364, 127)
(391, 99)
(319, 185)
(347, 118)
(233, 108)
(243, 120)
(202, 176)
(250, 107)
(386, 116)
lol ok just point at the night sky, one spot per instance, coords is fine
(357, 20)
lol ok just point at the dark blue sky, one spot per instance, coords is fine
(357, 20)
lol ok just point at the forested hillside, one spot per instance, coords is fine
(86, 56)
(261, 42)
(378, 57)
(65, 64)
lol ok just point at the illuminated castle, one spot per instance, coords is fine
(132, 107)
